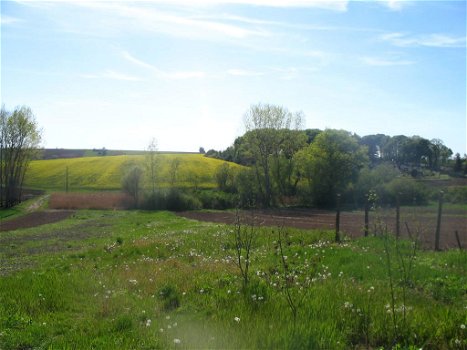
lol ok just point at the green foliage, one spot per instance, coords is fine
(249, 193)
(171, 297)
(173, 199)
(178, 200)
(374, 180)
(211, 199)
(131, 183)
(457, 194)
(330, 164)
(123, 323)
(225, 178)
(272, 143)
(19, 140)
(410, 192)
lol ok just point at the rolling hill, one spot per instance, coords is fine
(106, 172)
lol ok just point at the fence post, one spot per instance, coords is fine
(338, 218)
(438, 222)
(458, 240)
(398, 215)
(367, 210)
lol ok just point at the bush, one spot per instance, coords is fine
(172, 199)
(217, 199)
(225, 178)
(457, 195)
(177, 200)
(409, 190)
(170, 296)
(373, 180)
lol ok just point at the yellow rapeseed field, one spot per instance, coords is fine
(106, 172)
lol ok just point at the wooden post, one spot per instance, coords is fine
(458, 240)
(338, 218)
(438, 222)
(398, 216)
(367, 210)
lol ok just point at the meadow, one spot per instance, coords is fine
(154, 280)
(106, 172)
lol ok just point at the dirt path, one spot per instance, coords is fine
(34, 219)
(352, 223)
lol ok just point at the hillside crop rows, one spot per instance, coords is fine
(106, 173)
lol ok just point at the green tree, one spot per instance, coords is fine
(131, 183)
(457, 163)
(267, 127)
(330, 164)
(283, 163)
(393, 149)
(375, 144)
(19, 141)
(152, 162)
(173, 172)
(225, 178)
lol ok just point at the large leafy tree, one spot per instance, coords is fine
(330, 164)
(272, 143)
(19, 141)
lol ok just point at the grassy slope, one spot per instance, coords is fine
(105, 173)
(141, 280)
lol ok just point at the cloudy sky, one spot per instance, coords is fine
(116, 74)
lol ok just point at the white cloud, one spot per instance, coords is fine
(335, 5)
(5, 20)
(110, 74)
(182, 23)
(383, 62)
(243, 73)
(395, 5)
(159, 73)
(428, 40)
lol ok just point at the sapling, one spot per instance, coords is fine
(243, 238)
(294, 301)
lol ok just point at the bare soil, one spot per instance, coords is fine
(20, 251)
(421, 223)
(35, 219)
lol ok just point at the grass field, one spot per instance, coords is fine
(105, 173)
(152, 280)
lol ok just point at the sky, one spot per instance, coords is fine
(185, 72)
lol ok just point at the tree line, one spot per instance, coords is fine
(287, 164)
(403, 151)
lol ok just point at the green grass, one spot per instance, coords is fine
(22, 208)
(105, 173)
(152, 280)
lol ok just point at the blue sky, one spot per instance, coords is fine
(116, 74)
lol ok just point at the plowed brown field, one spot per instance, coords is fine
(420, 221)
